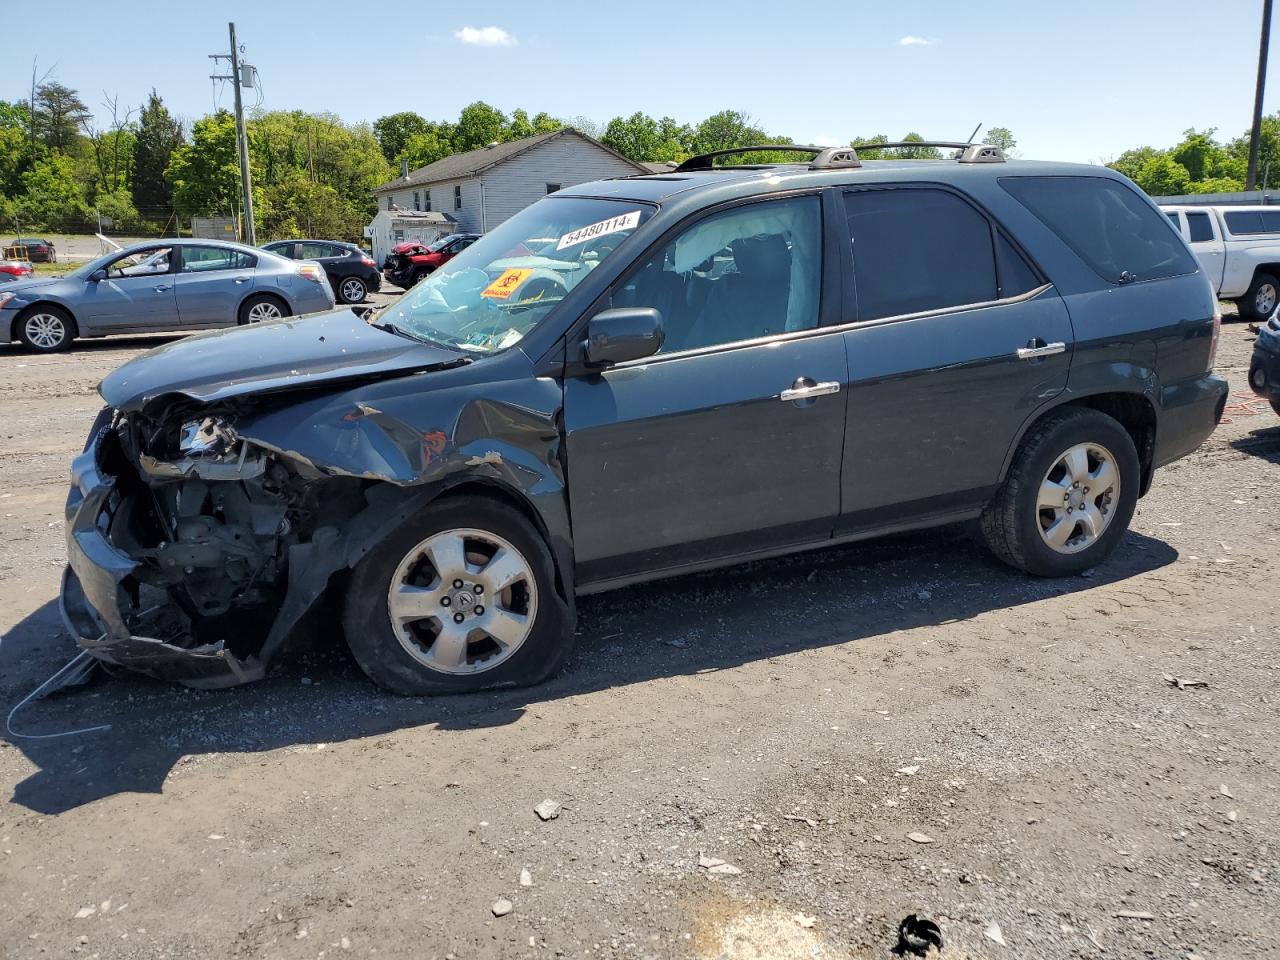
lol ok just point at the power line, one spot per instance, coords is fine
(242, 136)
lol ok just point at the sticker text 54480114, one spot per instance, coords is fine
(623, 221)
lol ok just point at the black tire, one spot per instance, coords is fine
(1011, 523)
(375, 643)
(35, 326)
(347, 288)
(247, 314)
(418, 275)
(1264, 285)
(1275, 405)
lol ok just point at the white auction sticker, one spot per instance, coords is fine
(623, 221)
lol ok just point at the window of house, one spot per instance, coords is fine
(1200, 227)
(1107, 223)
(457, 197)
(919, 250)
(417, 204)
(552, 187)
(748, 272)
(426, 200)
(390, 201)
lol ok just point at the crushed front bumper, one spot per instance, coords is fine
(102, 607)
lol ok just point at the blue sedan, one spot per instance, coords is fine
(157, 286)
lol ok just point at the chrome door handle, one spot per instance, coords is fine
(161, 289)
(805, 389)
(242, 279)
(1048, 350)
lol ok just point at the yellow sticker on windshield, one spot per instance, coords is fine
(506, 284)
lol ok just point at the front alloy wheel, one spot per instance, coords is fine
(463, 601)
(45, 331)
(462, 597)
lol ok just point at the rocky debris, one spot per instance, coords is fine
(526, 878)
(916, 837)
(548, 809)
(993, 934)
(501, 907)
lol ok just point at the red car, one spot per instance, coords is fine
(409, 262)
(18, 269)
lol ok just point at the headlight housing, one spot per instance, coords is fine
(6, 296)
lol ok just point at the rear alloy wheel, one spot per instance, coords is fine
(352, 290)
(1069, 495)
(46, 329)
(462, 598)
(1260, 301)
(260, 308)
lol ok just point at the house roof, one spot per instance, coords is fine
(460, 166)
(427, 216)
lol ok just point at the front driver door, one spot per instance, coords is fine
(137, 293)
(728, 440)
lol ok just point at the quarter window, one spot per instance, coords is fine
(916, 250)
(1200, 227)
(1109, 226)
(749, 272)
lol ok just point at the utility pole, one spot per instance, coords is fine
(242, 137)
(1251, 178)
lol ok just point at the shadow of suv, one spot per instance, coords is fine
(643, 377)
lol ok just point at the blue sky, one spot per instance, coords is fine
(1073, 81)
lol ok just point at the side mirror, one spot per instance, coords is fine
(625, 333)
(97, 276)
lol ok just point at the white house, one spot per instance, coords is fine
(479, 189)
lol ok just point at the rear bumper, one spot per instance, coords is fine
(1264, 365)
(1189, 412)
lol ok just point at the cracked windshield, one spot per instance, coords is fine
(488, 297)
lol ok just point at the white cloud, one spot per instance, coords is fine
(910, 41)
(486, 37)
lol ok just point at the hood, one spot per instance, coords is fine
(288, 354)
(30, 283)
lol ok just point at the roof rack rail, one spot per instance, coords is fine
(969, 152)
(705, 161)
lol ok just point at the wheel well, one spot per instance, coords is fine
(1137, 415)
(13, 327)
(1271, 268)
(500, 494)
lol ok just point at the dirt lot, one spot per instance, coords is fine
(797, 719)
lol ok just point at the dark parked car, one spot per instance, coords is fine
(638, 378)
(1264, 367)
(352, 273)
(410, 262)
(37, 250)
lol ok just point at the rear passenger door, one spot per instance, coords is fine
(212, 283)
(955, 340)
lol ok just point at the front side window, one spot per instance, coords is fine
(1108, 225)
(916, 250)
(752, 271)
(493, 293)
(1200, 227)
(204, 259)
(142, 263)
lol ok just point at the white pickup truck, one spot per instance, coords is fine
(1239, 250)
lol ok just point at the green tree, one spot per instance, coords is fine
(434, 144)
(866, 146)
(1196, 152)
(639, 137)
(479, 125)
(159, 135)
(1216, 185)
(51, 193)
(1001, 137)
(725, 130)
(396, 130)
(1130, 162)
(59, 114)
(1162, 176)
(15, 153)
(917, 153)
(205, 173)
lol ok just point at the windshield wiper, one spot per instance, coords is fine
(410, 335)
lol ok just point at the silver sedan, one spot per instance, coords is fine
(158, 286)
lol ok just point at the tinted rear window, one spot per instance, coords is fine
(1201, 229)
(1112, 229)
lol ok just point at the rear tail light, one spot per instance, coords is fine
(368, 261)
(1217, 332)
(309, 271)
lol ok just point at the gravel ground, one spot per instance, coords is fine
(801, 720)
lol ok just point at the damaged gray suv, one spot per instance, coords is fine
(637, 378)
